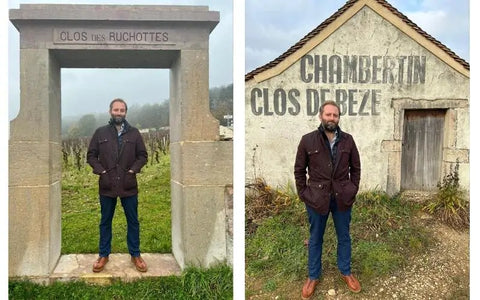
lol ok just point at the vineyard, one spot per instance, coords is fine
(80, 205)
(74, 150)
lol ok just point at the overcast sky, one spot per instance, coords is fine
(91, 90)
(272, 26)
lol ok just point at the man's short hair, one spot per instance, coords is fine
(118, 100)
(329, 102)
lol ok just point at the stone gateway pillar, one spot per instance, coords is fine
(113, 36)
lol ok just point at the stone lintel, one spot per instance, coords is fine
(28, 13)
(409, 103)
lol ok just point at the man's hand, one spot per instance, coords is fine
(131, 171)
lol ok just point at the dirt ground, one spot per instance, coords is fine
(442, 272)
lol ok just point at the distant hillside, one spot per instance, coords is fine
(148, 115)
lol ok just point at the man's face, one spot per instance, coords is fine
(118, 112)
(330, 117)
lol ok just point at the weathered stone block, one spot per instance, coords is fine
(391, 146)
(34, 163)
(34, 229)
(205, 163)
(190, 117)
(178, 226)
(40, 109)
(463, 128)
(452, 154)
(229, 222)
(202, 222)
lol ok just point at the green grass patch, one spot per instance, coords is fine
(384, 238)
(376, 258)
(276, 249)
(194, 283)
(81, 211)
(80, 218)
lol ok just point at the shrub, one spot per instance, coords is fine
(263, 201)
(450, 203)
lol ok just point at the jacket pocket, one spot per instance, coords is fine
(130, 181)
(317, 197)
(102, 142)
(343, 157)
(129, 144)
(347, 192)
(104, 182)
(127, 153)
(104, 150)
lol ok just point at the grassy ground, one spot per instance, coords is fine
(383, 240)
(81, 211)
(80, 217)
(215, 283)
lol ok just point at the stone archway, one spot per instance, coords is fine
(113, 36)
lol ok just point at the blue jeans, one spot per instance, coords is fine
(318, 222)
(130, 205)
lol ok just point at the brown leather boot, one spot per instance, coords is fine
(100, 263)
(309, 288)
(352, 283)
(139, 263)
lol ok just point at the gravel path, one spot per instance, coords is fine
(442, 272)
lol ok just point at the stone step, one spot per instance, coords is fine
(119, 267)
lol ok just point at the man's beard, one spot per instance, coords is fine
(118, 120)
(330, 126)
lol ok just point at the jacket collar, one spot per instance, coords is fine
(126, 125)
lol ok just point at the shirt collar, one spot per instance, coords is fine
(122, 129)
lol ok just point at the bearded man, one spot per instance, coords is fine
(116, 153)
(332, 161)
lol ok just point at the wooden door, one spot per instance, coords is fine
(422, 149)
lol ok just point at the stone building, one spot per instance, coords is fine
(404, 96)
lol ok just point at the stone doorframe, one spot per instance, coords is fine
(394, 147)
(114, 36)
